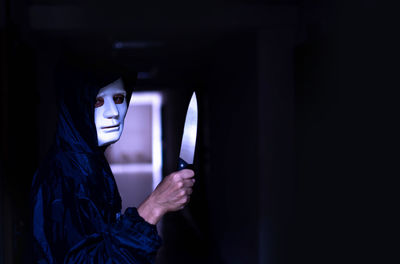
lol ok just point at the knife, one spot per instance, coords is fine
(187, 152)
(188, 144)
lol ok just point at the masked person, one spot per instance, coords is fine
(76, 206)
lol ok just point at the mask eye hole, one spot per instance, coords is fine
(99, 102)
(119, 98)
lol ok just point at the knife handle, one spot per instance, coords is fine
(185, 211)
(184, 165)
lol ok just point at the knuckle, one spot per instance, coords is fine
(171, 176)
(176, 177)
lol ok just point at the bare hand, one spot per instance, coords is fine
(172, 194)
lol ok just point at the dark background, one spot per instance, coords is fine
(294, 157)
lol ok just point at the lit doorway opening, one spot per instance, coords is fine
(136, 159)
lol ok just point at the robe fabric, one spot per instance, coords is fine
(76, 206)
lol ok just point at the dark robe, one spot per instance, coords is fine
(75, 201)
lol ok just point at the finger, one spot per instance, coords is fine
(186, 173)
(182, 194)
(185, 200)
(189, 191)
(188, 183)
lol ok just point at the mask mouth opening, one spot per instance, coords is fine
(113, 126)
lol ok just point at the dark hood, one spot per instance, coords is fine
(75, 153)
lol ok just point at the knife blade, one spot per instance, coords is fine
(188, 144)
(186, 155)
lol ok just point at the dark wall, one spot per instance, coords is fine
(344, 118)
(18, 142)
(232, 178)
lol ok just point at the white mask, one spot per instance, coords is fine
(109, 113)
